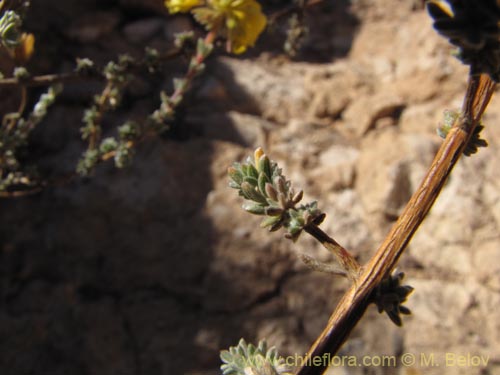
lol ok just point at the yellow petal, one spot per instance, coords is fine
(250, 22)
(181, 6)
(257, 154)
(243, 21)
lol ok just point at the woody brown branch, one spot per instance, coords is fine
(355, 301)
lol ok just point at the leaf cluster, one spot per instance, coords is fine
(261, 182)
(248, 359)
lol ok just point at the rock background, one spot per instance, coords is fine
(154, 269)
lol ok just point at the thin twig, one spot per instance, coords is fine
(332, 269)
(345, 259)
(178, 93)
(49, 79)
(355, 301)
(41, 80)
(94, 136)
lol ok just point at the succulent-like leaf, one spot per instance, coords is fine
(250, 193)
(244, 169)
(264, 165)
(252, 171)
(252, 360)
(271, 221)
(251, 180)
(235, 175)
(255, 209)
(262, 181)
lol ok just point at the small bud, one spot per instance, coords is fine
(271, 192)
(123, 155)
(280, 183)
(182, 38)
(449, 118)
(108, 145)
(130, 130)
(298, 197)
(195, 66)
(84, 65)
(180, 84)
(203, 48)
(257, 154)
(20, 72)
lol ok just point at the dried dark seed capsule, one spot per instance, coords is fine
(472, 26)
(475, 141)
(390, 295)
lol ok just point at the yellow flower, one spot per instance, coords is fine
(239, 21)
(182, 6)
(244, 22)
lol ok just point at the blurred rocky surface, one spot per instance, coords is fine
(154, 269)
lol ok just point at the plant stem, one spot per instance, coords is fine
(49, 79)
(177, 94)
(355, 301)
(345, 259)
(199, 59)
